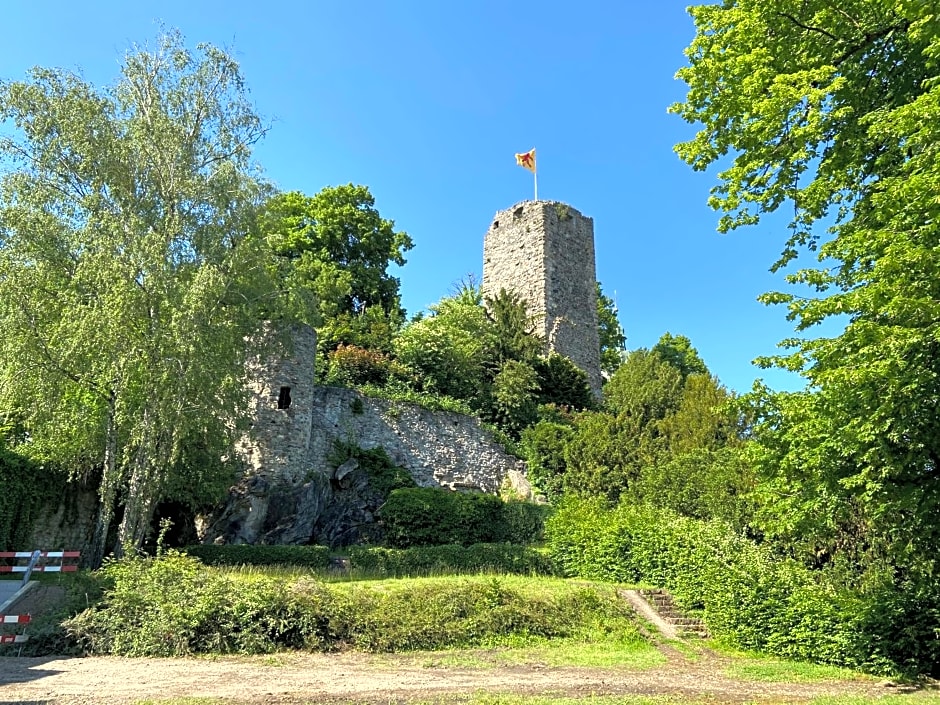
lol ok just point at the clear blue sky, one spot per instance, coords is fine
(426, 103)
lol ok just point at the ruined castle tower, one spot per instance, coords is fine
(281, 401)
(544, 252)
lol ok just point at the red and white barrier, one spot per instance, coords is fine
(14, 619)
(60, 556)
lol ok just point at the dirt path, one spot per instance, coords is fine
(298, 678)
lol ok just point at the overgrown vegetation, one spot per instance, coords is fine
(751, 596)
(172, 605)
(423, 516)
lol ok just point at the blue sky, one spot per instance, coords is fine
(427, 102)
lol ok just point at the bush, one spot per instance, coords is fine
(243, 554)
(544, 447)
(426, 516)
(349, 366)
(753, 599)
(172, 605)
(431, 560)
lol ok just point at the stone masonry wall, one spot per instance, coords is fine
(277, 442)
(316, 501)
(438, 448)
(544, 251)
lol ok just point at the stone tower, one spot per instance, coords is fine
(544, 252)
(282, 392)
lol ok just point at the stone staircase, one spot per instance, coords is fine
(662, 603)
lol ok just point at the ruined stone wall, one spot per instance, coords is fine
(438, 448)
(544, 252)
(318, 502)
(277, 442)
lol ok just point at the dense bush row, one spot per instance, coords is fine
(431, 560)
(173, 606)
(751, 598)
(245, 554)
(426, 516)
(392, 562)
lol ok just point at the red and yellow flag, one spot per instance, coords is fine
(527, 160)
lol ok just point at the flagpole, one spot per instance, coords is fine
(535, 176)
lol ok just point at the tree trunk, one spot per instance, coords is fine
(107, 491)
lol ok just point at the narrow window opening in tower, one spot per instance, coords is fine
(283, 399)
(495, 224)
(518, 212)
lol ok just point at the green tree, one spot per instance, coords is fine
(612, 339)
(562, 383)
(339, 245)
(544, 445)
(129, 277)
(834, 110)
(606, 454)
(677, 350)
(445, 351)
(644, 387)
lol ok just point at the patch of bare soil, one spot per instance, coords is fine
(302, 678)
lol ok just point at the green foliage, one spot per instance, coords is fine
(351, 366)
(606, 454)
(130, 277)
(513, 330)
(700, 483)
(174, 606)
(399, 393)
(677, 350)
(432, 614)
(28, 486)
(544, 445)
(562, 383)
(835, 112)
(644, 387)
(445, 351)
(505, 558)
(315, 557)
(425, 516)
(612, 339)
(514, 404)
(751, 597)
(338, 245)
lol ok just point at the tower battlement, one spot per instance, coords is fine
(544, 252)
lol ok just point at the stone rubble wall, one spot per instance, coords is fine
(312, 502)
(438, 448)
(277, 442)
(544, 252)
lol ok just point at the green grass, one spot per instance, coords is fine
(757, 667)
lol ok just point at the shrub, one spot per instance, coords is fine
(452, 558)
(244, 554)
(172, 605)
(544, 447)
(424, 516)
(349, 366)
(751, 598)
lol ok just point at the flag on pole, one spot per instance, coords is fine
(527, 160)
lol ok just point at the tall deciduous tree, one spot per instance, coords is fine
(833, 108)
(129, 279)
(339, 245)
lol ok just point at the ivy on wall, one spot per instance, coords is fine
(25, 487)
